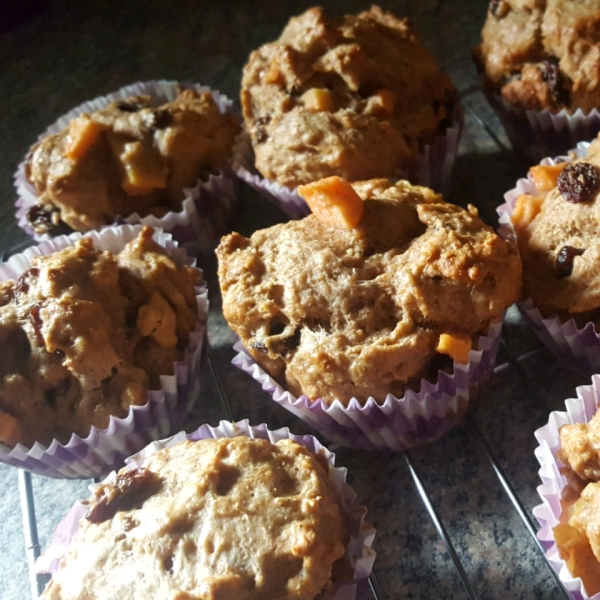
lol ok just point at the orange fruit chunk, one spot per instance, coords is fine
(83, 132)
(545, 176)
(334, 202)
(456, 346)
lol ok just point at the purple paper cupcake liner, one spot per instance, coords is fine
(358, 551)
(433, 168)
(397, 423)
(577, 348)
(207, 207)
(555, 479)
(105, 449)
(535, 134)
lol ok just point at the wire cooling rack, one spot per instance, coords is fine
(481, 186)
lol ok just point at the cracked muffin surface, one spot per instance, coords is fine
(129, 157)
(209, 520)
(85, 333)
(543, 54)
(355, 97)
(340, 313)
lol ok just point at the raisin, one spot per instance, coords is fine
(36, 321)
(126, 491)
(263, 120)
(130, 106)
(564, 260)
(552, 75)
(159, 118)
(22, 286)
(499, 8)
(578, 182)
(260, 135)
(42, 218)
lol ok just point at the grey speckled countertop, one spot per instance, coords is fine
(70, 51)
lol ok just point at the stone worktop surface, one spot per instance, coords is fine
(69, 51)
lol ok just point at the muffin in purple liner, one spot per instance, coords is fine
(157, 153)
(362, 309)
(95, 349)
(565, 493)
(358, 556)
(359, 97)
(556, 237)
(539, 62)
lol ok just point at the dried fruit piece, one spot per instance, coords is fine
(552, 75)
(382, 103)
(334, 202)
(499, 8)
(526, 209)
(545, 176)
(121, 493)
(43, 218)
(578, 182)
(144, 169)
(83, 132)
(564, 260)
(318, 99)
(456, 346)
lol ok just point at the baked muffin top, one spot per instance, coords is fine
(353, 97)
(84, 334)
(543, 54)
(339, 312)
(220, 518)
(128, 157)
(558, 237)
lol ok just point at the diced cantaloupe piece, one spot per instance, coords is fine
(382, 103)
(526, 209)
(10, 429)
(334, 202)
(456, 346)
(144, 169)
(83, 132)
(318, 99)
(545, 176)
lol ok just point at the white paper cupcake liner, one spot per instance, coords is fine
(579, 410)
(535, 134)
(105, 449)
(358, 551)
(577, 348)
(433, 168)
(397, 423)
(206, 208)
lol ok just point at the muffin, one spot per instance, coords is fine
(570, 472)
(134, 155)
(358, 97)
(350, 312)
(540, 66)
(553, 215)
(89, 328)
(218, 514)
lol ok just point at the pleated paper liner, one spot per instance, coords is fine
(396, 423)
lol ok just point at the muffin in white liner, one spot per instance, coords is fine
(578, 348)
(206, 208)
(358, 551)
(555, 479)
(103, 450)
(433, 168)
(536, 134)
(417, 418)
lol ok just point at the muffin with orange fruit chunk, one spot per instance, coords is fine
(359, 304)
(358, 97)
(554, 217)
(132, 156)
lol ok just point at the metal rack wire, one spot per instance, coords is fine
(376, 589)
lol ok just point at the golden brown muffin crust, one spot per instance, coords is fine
(210, 520)
(342, 313)
(85, 333)
(327, 96)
